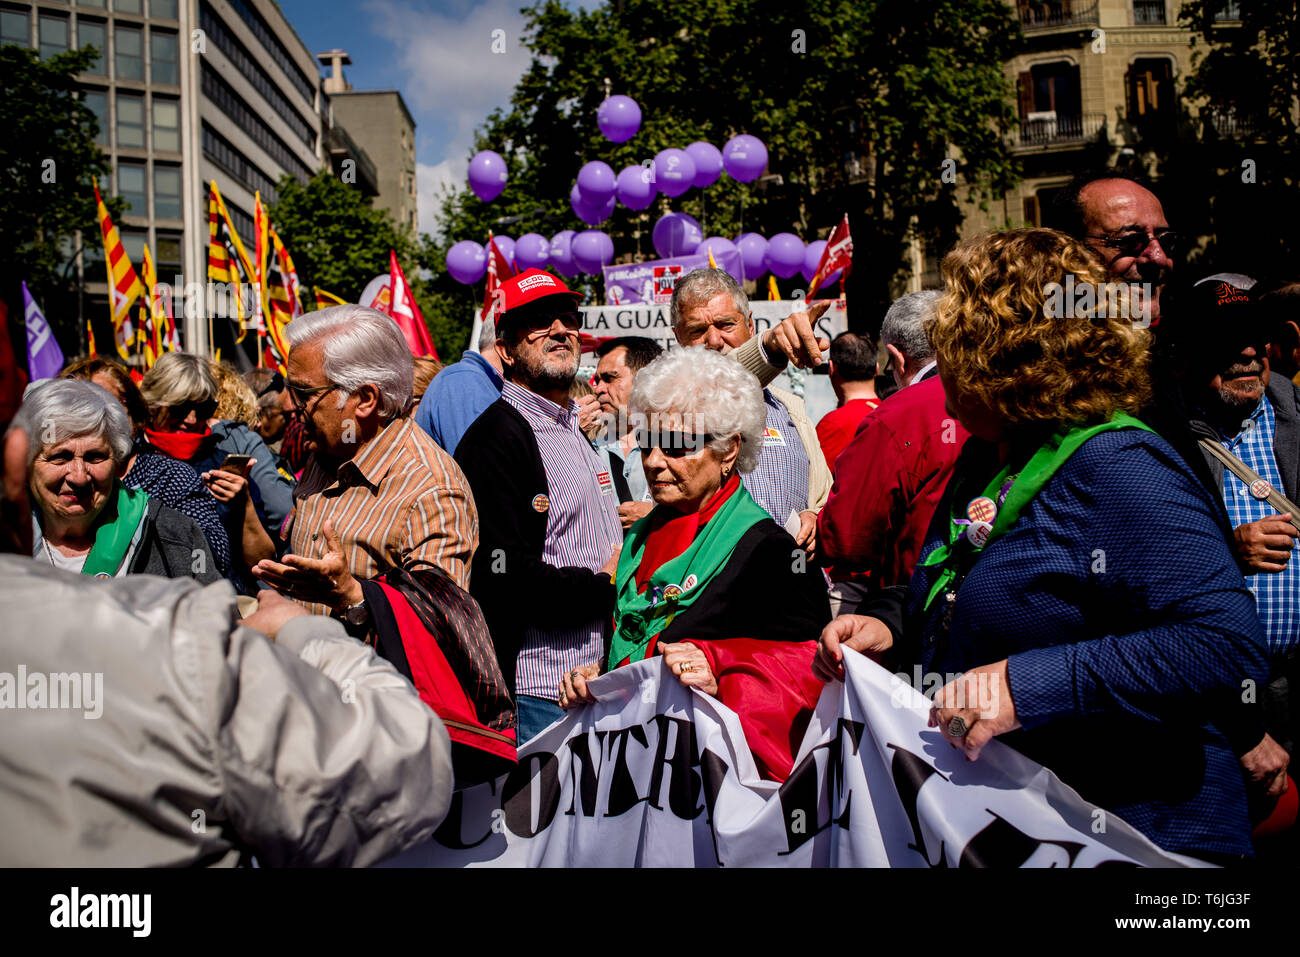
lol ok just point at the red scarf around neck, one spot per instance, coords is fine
(675, 534)
(179, 445)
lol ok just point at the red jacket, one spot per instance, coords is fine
(888, 481)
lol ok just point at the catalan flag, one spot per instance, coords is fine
(157, 324)
(326, 299)
(123, 282)
(90, 340)
(284, 301)
(227, 261)
(772, 292)
(261, 244)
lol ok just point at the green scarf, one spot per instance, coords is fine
(115, 532)
(676, 584)
(1042, 465)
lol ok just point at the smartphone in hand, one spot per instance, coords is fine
(236, 464)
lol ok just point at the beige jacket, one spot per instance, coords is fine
(750, 355)
(184, 738)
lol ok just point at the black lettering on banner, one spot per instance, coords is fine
(715, 770)
(910, 774)
(801, 791)
(683, 782)
(517, 795)
(1002, 844)
(599, 322)
(587, 771)
(622, 787)
(621, 320)
(448, 833)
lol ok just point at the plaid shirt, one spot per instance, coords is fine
(1277, 595)
(402, 501)
(779, 483)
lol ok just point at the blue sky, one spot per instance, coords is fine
(438, 54)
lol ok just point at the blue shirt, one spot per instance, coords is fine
(779, 483)
(582, 529)
(1277, 594)
(1125, 623)
(631, 468)
(456, 397)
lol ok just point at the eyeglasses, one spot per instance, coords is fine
(275, 385)
(203, 410)
(1135, 244)
(674, 444)
(301, 396)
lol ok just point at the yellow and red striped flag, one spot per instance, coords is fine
(90, 339)
(261, 243)
(772, 292)
(284, 301)
(227, 261)
(157, 325)
(326, 299)
(123, 282)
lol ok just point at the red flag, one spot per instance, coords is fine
(838, 254)
(498, 271)
(405, 312)
(13, 380)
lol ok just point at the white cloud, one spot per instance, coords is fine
(453, 77)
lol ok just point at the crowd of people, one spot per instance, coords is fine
(1088, 518)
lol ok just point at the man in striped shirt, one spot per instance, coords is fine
(377, 493)
(543, 574)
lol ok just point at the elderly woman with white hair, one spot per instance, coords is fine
(88, 521)
(708, 580)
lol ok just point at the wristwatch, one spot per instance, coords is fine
(355, 615)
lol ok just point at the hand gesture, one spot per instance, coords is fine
(272, 613)
(1265, 546)
(795, 339)
(689, 665)
(588, 412)
(326, 580)
(228, 487)
(868, 636)
(807, 537)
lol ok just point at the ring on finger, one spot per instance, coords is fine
(957, 727)
(685, 667)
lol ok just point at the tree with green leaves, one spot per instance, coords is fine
(861, 105)
(340, 242)
(48, 160)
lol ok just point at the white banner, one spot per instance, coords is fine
(655, 775)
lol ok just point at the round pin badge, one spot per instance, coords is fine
(103, 576)
(541, 503)
(978, 533)
(982, 509)
(672, 592)
(1260, 489)
(691, 582)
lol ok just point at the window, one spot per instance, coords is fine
(128, 6)
(163, 8)
(130, 53)
(130, 120)
(169, 257)
(167, 192)
(53, 34)
(133, 243)
(225, 98)
(163, 57)
(1228, 10)
(1151, 107)
(15, 27)
(90, 33)
(1148, 12)
(130, 186)
(97, 102)
(91, 3)
(166, 125)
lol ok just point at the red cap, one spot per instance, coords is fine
(530, 286)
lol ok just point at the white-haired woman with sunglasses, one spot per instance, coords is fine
(254, 498)
(708, 580)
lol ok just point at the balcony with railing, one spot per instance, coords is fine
(1036, 15)
(1050, 131)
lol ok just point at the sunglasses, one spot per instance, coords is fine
(203, 410)
(1135, 244)
(275, 385)
(674, 444)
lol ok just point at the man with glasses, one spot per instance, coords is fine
(377, 493)
(1121, 218)
(543, 574)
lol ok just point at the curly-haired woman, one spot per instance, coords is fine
(1074, 571)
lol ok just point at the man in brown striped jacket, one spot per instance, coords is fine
(377, 492)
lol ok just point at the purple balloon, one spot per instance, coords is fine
(487, 175)
(784, 255)
(466, 261)
(812, 258)
(592, 249)
(753, 252)
(744, 158)
(636, 189)
(596, 183)
(619, 118)
(676, 234)
(507, 247)
(532, 251)
(708, 163)
(562, 253)
(721, 247)
(589, 214)
(674, 171)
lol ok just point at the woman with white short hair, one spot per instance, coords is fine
(88, 521)
(708, 580)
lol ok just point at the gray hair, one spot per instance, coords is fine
(724, 398)
(701, 285)
(361, 347)
(177, 378)
(55, 410)
(1243, 282)
(905, 322)
(487, 335)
